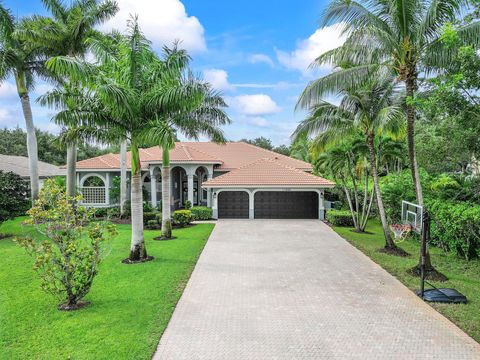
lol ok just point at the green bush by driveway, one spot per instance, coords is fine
(130, 304)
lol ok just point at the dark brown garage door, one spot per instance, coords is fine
(286, 205)
(233, 205)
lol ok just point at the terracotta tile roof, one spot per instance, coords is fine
(229, 156)
(268, 172)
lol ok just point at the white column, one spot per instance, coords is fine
(214, 204)
(321, 206)
(153, 187)
(190, 188)
(107, 188)
(251, 205)
(209, 192)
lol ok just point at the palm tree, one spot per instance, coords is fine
(191, 117)
(24, 62)
(376, 108)
(393, 35)
(66, 33)
(132, 90)
(300, 149)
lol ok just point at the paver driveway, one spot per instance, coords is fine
(293, 289)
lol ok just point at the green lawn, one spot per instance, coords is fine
(463, 275)
(130, 304)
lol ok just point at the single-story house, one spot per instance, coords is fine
(19, 165)
(236, 179)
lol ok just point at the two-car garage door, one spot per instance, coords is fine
(269, 205)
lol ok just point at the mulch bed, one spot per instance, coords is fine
(395, 252)
(130, 262)
(77, 306)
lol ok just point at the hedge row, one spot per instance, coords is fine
(201, 213)
(340, 217)
(455, 227)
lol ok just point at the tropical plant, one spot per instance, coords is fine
(300, 149)
(373, 109)
(67, 261)
(196, 110)
(345, 166)
(24, 62)
(67, 33)
(13, 196)
(404, 37)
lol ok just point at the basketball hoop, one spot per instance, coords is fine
(400, 231)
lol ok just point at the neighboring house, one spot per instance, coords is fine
(236, 179)
(19, 166)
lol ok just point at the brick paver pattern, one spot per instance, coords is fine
(294, 289)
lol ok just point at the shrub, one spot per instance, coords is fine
(13, 196)
(187, 205)
(147, 216)
(445, 187)
(455, 227)
(153, 225)
(395, 188)
(182, 217)
(201, 213)
(147, 207)
(340, 217)
(67, 261)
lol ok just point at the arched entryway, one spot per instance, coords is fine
(179, 184)
(200, 195)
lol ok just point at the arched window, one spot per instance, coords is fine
(94, 190)
(93, 181)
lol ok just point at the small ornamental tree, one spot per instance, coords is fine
(13, 196)
(67, 261)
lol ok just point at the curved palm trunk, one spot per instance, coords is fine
(138, 252)
(123, 177)
(71, 169)
(166, 216)
(31, 136)
(381, 209)
(410, 90)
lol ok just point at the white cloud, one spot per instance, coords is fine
(217, 78)
(307, 50)
(8, 90)
(257, 104)
(261, 58)
(162, 21)
(257, 121)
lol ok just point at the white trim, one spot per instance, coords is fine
(86, 176)
(219, 186)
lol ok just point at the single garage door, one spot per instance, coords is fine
(233, 205)
(286, 205)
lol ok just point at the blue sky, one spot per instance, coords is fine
(255, 52)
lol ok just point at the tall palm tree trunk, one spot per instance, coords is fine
(166, 216)
(123, 177)
(410, 91)
(137, 247)
(31, 136)
(138, 252)
(72, 168)
(389, 244)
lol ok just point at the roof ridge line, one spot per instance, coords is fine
(185, 150)
(272, 152)
(201, 151)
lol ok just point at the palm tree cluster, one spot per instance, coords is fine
(126, 94)
(377, 76)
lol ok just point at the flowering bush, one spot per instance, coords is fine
(67, 261)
